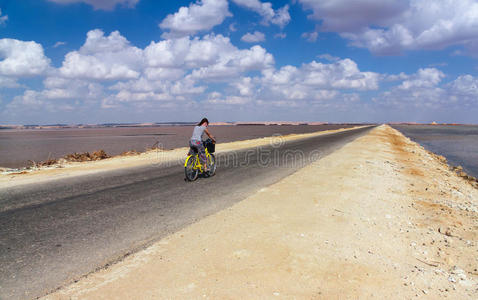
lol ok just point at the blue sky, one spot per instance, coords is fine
(98, 61)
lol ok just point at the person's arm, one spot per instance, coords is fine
(210, 135)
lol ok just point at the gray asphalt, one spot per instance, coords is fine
(53, 234)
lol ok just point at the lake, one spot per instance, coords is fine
(458, 143)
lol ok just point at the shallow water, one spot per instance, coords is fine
(17, 147)
(459, 144)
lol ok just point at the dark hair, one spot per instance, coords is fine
(204, 120)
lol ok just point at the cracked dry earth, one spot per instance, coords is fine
(379, 218)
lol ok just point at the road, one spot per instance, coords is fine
(62, 230)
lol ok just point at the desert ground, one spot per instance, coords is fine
(379, 218)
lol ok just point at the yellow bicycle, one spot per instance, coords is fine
(193, 166)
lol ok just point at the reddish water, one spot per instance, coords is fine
(17, 147)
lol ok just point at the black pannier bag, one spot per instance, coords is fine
(210, 146)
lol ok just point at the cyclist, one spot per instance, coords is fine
(196, 144)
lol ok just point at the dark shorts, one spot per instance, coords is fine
(197, 147)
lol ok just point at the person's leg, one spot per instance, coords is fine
(202, 155)
(192, 148)
(198, 147)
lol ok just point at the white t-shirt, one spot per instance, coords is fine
(197, 133)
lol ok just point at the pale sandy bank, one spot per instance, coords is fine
(10, 178)
(379, 218)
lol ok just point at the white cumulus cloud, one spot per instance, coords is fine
(66, 88)
(315, 83)
(464, 89)
(423, 92)
(59, 96)
(103, 57)
(278, 17)
(392, 26)
(55, 100)
(342, 74)
(178, 69)
(200, 16)
(101, 4)
(421, 89)
(353, 15)
(255, 37)
(244, 85)
(310, 36)
(212, 56)
(424, 78)
(167, 53)
(22, 58)
(232, 64)
(8, 82)
(230, 100)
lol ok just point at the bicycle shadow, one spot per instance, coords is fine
(200, 175)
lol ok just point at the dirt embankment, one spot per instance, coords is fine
(379, 218)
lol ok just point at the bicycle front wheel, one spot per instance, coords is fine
(211, 163)
(190, 169)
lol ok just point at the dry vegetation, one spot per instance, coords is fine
(74, 157)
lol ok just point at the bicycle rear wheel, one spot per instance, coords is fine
(190, 169)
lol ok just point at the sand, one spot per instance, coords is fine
(379, 218)
(11, 177)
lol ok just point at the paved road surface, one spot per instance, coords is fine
(65, 229)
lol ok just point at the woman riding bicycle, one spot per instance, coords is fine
(196, 144)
